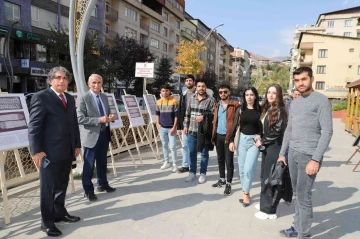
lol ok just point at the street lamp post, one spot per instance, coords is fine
(207, 35)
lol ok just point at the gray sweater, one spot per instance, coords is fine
(310, 127)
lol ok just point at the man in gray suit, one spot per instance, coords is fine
(93, 113)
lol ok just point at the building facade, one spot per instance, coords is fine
(334, 60)
(29, 24)
(241, 68)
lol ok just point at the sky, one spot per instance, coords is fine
(265, 27)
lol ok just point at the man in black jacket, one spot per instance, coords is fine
(189, 83)
(54, 139)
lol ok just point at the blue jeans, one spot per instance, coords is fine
(248, 155)
(185, 150)
(192, 142)
(166, 137)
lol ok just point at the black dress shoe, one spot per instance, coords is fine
(91, 196)
(68, 218)
(51, 232)
(106, 188)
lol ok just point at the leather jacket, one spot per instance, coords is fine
(274, 134)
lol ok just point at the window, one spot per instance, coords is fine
(164, 46)
(94, 12)
(107, 28)
(47, 18)
(94, 33)
(348, 23)
(320, 85)
(177, 24)
(177, 38)
(331, 23)
(165, 16)
(155, 43)
(37, 52)
(321, 70)
(347, 34)
(351, 50)
(130, 33)
(130, 14)
(323, 53)
(165, 33)
(12, 11)
(155, 26)
(358, 70)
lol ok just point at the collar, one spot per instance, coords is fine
(57, 93)
(196, 96)
(94, 94)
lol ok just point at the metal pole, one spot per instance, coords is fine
(11, 76)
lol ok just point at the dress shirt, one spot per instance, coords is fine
(96, 102)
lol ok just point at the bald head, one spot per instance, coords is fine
(95, 83)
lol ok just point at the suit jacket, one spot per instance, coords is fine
(88, 118)
(53, 129)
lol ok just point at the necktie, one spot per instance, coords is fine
(63, 100)
(101, 109)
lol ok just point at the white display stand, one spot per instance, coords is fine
(136, 122)
(150, 101)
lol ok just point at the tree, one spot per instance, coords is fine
(59, 52)
(125, 53)
(163, 74)
(188, 57)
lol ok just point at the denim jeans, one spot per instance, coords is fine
(248, 155)
(192, 142)
(185, 150)
(166, 137)
(302, 191)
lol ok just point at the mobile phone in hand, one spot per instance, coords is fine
(45, 162)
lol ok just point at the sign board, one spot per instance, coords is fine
(25, 63)
(150, 101)
(38, 71)
(145, 70)
(114, 110)
(133, 110)
(14, 120)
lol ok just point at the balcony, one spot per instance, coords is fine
(111, 13)
(144, 27)
(306, 45)
(110, 35)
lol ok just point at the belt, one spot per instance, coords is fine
(222, 134)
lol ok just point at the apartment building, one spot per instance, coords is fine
(188, 30)
(154, 23)
(334, 59)
(223, 68)
(344, 22)
(241, 67)
(32, 21)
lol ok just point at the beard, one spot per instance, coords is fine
(224, 97)
(306, 89)
(190, 87)
(202, 92)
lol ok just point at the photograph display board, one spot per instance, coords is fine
(150, 101)
(14, 120)
(133, 110)
(114, 110)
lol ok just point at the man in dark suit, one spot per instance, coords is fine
(93, 112)
(54, 137)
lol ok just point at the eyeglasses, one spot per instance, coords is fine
(223, 92)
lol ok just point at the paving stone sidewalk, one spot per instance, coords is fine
(152, 204)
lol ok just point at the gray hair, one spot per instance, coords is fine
(52, 72)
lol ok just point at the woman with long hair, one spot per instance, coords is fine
(274, 119)
(248, 130)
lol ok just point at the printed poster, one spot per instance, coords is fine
(150, 101)
(133, 110)
(14, 121)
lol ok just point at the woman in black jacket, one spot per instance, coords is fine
(274, 118)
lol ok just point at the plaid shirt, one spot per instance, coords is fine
(196, 108)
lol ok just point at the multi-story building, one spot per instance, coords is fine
(154, 23)
(32, 22)
(334, 60)
(241, 68)
(223, 67)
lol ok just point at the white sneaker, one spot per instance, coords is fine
(264, 216)
(175, 168)
(257, 206)
(165, 165)
(191, 177)
(202, 178)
